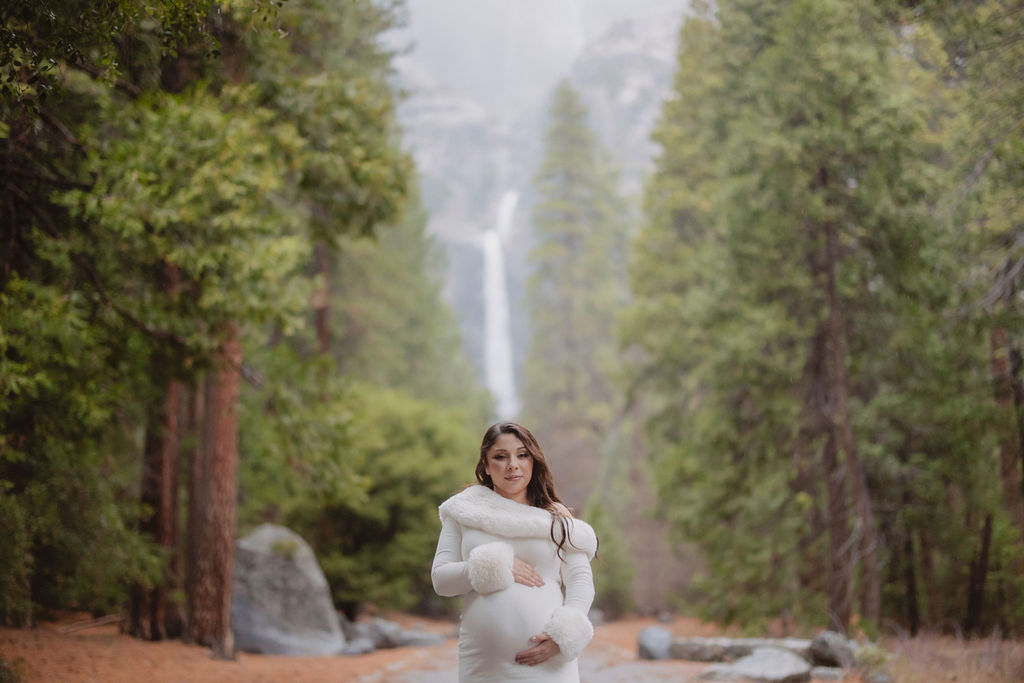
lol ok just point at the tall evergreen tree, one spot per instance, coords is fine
(575, 291)
(166, 263)
(577, 283)
(788, 268)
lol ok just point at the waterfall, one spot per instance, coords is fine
(498, 366)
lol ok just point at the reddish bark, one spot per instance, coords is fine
(212, 523)
(196, 477)
(150, 617)
(149, 613)
(871, 584)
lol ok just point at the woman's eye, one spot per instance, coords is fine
(524, 455)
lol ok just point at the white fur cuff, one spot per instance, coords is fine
(490, 567)
(571, 629)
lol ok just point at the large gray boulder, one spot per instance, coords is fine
(653, 643)
(767, 664)
(281, 603)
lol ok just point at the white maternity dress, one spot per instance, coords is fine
(481, 534)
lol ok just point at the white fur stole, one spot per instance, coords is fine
(479, 507)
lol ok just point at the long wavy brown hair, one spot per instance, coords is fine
(540, 492)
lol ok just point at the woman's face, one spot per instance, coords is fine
(510, 467)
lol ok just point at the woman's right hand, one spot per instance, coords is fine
(524, 573)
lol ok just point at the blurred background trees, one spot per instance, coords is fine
(832, 368)
(221, 304)
(204, 213)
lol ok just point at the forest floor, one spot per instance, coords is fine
(55, 652)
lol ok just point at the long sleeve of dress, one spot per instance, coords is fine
(569, 625)
(578, 581)
(449, 573)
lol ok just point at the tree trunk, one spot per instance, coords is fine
(1010, 447)
(976, 582)
(321, 310)
(838, 571)
(166, 612)
(932, 610)
(196, 494)
(148, 611)
(871, 587)
(807, 482)
(910, 574)
(1018, 412)
(214, 483)
(840, 568)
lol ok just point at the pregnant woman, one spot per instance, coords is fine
(523, 564)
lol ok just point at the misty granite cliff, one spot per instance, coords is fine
(469, 156)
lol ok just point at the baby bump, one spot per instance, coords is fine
(500, 624)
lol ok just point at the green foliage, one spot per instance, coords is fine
(613, 567)
(15, 560)
(183, 186)
(577, 282)
(356, 449)
(201, 185)
(12, 673)
(378, 547)
(393, 329)
(294, 436)
(65, 466)
(354, 174)
(791, 120)
(38, 40)
(574, 293)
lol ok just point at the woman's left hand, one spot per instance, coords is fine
(544, 650)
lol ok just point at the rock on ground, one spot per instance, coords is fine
(280, 600)
(767, 664)
(384, 634)
(830, 648)
(358, 646)
(729, 649)
(653, 643)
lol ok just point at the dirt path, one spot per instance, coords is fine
(103, 655)
(610, 658)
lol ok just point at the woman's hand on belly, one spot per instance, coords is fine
(524, 573)
(544, 650)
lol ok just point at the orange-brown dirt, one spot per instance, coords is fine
(53, 652)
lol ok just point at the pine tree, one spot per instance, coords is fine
(788, 243)
(577, 283)
(575, 291)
